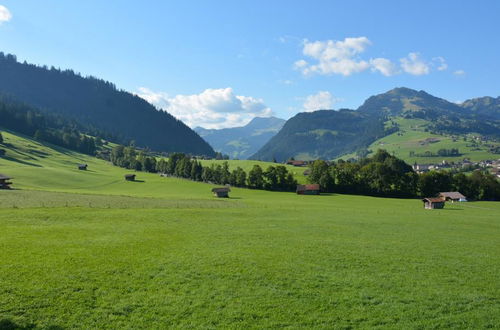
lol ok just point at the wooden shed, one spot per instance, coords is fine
(221, 192)
(4, 181)
(308, 189)
(82, 167)
(433, 203)
(453, 196)
(130, 177)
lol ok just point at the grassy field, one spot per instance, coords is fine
(412, 136)
(89, 250)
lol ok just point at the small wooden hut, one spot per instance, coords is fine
(82, 167)
(453, 196)
(130, 177)
(222, 192)
(433, 203)
(308, 189)
(4, 181)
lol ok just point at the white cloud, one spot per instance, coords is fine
(5, 14)
(415, 65)
(213, 108)
(441, 63)
(320, 101)
(384, 66)
(459, 73)
(334, 57)
(344, 57)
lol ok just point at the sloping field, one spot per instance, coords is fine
(413, 137)
(98, 252)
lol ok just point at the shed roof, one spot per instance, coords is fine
(222, 189)
(4, 177)
(433, 199)
(129, 175)
(452, 195)
(302, 187)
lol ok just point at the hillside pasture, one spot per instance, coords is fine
(86, 249)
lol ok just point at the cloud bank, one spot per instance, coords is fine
(212, 108)
(344, 57)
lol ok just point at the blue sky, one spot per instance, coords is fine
(220, 63)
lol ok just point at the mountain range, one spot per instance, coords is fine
(242, 142)
(329, 134)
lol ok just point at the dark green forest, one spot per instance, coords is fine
(46, 127)
(98, 103)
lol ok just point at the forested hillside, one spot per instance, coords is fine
(98, 103)
(329, 134)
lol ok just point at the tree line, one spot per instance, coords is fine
(276, 178)
(386, 175)
(46, 127)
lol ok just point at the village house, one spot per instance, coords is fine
(130, 177)
(298, 163)
(222, 192)
(82, 167)
(308, 189)
(452, 196)
(4, 181)
(433, 203)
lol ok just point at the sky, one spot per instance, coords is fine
(218, 64)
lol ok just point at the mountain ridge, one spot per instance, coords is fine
(98, 103)
(241, 142)
(327, 134)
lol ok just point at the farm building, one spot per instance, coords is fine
(82, 167)
(308, 189)
(130, 177)
(433, 203)
(4, 181)
(221, 192)
(453, 196)
(297, 163)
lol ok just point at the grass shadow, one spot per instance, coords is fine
(21, 162)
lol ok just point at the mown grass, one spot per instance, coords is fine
(165, 253)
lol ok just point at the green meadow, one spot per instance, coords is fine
(86, 249)
(412, 137)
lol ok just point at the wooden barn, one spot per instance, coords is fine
(433, 203)
(222, 192)
(308, 189)
(453, 196)
(4, 181)
(130, 177)
(82, 167)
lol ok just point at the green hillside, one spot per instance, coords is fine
(414, 136)
(329, 134)
(97, 105)
(85, 249)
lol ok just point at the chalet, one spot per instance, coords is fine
(4, 181)
(297, 163)
(433, 203)
(82, 167)
(452, 196)
(130, 177)
(221, 192)
(308, 189)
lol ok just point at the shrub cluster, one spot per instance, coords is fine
(387, 175)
